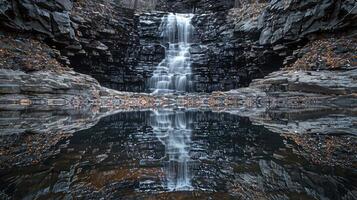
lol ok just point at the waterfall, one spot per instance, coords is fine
(172, 130)
(173, 73)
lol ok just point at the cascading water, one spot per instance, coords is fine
(172, 129)
(173, 73)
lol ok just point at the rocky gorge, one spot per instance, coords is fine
(121, 49)
(271, 99)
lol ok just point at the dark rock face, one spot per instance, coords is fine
(96, 37)
(286, 21)
(194, 6)
(238, 49)
(47, 17)
(107, 46)
(229, 56)
(231, 47)
(152, 50)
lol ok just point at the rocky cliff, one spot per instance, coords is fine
(94, 37)
(194, 6)
(234, 43)
(242, 44)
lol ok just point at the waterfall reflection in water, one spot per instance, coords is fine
(172, 128)
(203, 154)
(172, 74)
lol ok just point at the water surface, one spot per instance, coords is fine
(167, 154)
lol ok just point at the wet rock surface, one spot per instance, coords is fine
(47, 90)
(321, 82)
(152, 47)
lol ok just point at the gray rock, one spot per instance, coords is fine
(98, 45)
(62, 24)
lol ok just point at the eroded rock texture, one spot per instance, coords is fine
(107, 46)
(194, 6)
(294, 20)
(246, 43)
(51, 18)
(232, 46)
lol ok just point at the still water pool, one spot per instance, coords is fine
(170, 154)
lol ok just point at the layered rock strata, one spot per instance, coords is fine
(242, 44)
(233, 44)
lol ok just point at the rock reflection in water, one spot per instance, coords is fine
(178, 155)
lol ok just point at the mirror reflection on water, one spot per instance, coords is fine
(178, 154)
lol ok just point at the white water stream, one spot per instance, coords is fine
(173, 73)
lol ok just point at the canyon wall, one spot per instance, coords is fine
(194, 6)
(232, 45)
(98, 38)
(242, 44)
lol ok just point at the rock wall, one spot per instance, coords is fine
(292, 21)
(51, 18)
(194, 6)
(232, 46)
(229, 56)
(95, 37)
(152, 50)
(243, 44)
(107, 46)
